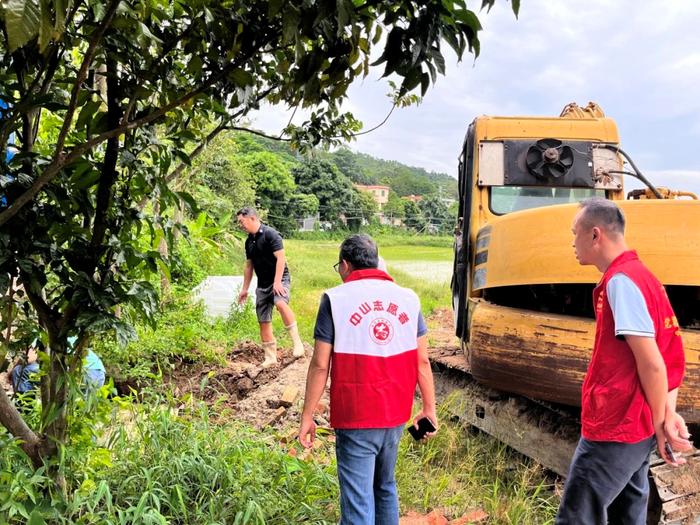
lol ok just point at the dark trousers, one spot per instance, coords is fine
(607, 483)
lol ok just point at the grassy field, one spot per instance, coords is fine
(311, 265)
(457, 472)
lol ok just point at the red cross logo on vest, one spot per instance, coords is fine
(381, 331)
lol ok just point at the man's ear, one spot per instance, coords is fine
(596, 233)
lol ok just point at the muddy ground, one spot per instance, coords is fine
(251, 393)
(273, 397)
(254, 394)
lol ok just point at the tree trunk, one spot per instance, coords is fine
(164, 281)
(163, 250)
(11, 419)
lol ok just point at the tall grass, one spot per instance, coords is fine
(462, 470)
(166, 461)
(160, 467)
(184, 333)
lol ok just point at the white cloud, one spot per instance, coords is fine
(638, 60)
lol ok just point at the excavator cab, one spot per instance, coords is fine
(522, 303)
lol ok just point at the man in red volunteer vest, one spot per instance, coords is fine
(628, 403)
(371, 335)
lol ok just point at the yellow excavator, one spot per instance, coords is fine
(523, 305)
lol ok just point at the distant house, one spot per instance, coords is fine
(413, 198)
(380, 194)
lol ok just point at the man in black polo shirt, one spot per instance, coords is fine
(265, 254)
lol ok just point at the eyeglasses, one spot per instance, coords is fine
(335, 266)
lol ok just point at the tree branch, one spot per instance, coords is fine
(393, 107)
(196, 151)
(259, 133)
(47, 316)
(109, 166)
(11, 419)
(82, 74)
(60, 161)
(9, 315)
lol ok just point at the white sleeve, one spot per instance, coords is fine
(629, 307)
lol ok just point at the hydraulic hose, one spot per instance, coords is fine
(637, 174)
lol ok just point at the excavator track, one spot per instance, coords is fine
(677, 491)
(549, 433)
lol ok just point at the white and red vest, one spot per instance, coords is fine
(613, 406)
(374, 365)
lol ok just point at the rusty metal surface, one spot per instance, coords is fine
(544, 432)
(538, 355)
(545, 356)
(536, 431)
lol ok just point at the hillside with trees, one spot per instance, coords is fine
(242, 168)
(402, 179)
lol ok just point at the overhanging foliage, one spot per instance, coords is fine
(107, 98)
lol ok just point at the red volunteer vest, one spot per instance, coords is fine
(374, 365)
(613, 406)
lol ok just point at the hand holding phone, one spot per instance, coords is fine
(424, 426)
(669, 452)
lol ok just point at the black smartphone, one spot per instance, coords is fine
(424, 426)
(669, 452)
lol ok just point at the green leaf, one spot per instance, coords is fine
(377, 35)
(45, 26)
(439, 61)
(469, 17)
(188, 200)
(35, 518)
(488, 4)
(164, 268)
(87, 180)
(87, 113)
(516, 7)
(208, 16)
(290, 24)
(342, 14)
(62, 8)
(241, 77)
(22, 21)
(424, 83)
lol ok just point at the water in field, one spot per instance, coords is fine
(432, 271)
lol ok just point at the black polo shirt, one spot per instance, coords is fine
(260, 248)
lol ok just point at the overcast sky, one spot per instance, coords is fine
(640, 60)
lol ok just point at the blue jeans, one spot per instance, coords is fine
(366, 459)
(22, 378)
(607, 483)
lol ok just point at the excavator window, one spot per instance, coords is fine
(507, 199)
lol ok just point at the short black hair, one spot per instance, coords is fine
(360, 251)
(604, 213)
(247, 211)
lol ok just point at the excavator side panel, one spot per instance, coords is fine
(545, 356)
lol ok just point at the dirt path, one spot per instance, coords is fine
(261, 405)
(256, 395)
